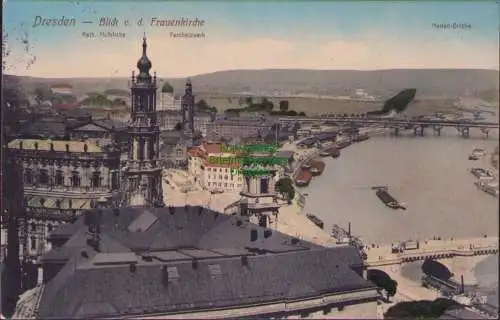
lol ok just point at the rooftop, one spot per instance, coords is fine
(54, 145)
(175, 259)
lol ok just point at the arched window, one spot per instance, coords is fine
(75, 179)
(50, 227)
(59, 178)
(115, 180)
(43, 177)
(96, 179)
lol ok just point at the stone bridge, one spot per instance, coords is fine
(433, 249)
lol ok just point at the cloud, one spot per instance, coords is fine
(185, 57)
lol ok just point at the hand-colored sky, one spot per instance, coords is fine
(253, 35)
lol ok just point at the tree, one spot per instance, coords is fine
(423, 309)
(285, 187)
(43, 93)
(292, 113)
(266, 104)
(284, 104)
(167, 88)
(249, 101)
(202, 104)
(391, 288)
(383, 281)
(302, 113)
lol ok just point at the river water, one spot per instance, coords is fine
(428, 174)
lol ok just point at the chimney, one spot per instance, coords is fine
(349, 229)
(462, 286)
(132, 267)
(164, 273)
(253, 235)
(295, 240)
(171, 209)
(244, 260)
(267, 233)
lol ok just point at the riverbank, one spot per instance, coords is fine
(291, 219)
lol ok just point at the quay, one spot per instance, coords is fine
(432, 249)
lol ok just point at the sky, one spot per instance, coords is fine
(245, 34)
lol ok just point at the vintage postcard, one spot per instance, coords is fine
(250, 159)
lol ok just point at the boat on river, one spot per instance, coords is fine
(317, 221)
(383, 194)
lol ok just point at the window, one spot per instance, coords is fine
(96, 180)
(115, 183)
(220, 176)
(225, 177)
(33, 227)
(49, 227)
(28, 176)
(59, 179)
(225, 185)
(75, 179)
(33, 243)
(43, 176)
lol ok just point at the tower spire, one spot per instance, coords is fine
(144, 44)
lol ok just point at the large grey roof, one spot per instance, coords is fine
(169, 282)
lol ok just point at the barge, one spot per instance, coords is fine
(481, 173)
(383, 194)
(317, 221)
(361, 137)
(303, 178)
(489, 188)
(343, 144)
(306, 166)
(328, 152)
(317, 167)
(336, 153)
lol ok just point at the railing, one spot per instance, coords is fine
(403, 257)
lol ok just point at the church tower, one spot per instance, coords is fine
(143, 173)
(187, 108)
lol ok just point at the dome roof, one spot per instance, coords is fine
(144, 64)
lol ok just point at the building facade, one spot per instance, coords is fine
(226, 175)
(187, 109)
(168, 120)
(61, 180)
(142, 173)
(230, 128)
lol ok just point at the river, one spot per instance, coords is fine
(429, 175)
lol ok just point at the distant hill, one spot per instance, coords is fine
(383, 83)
